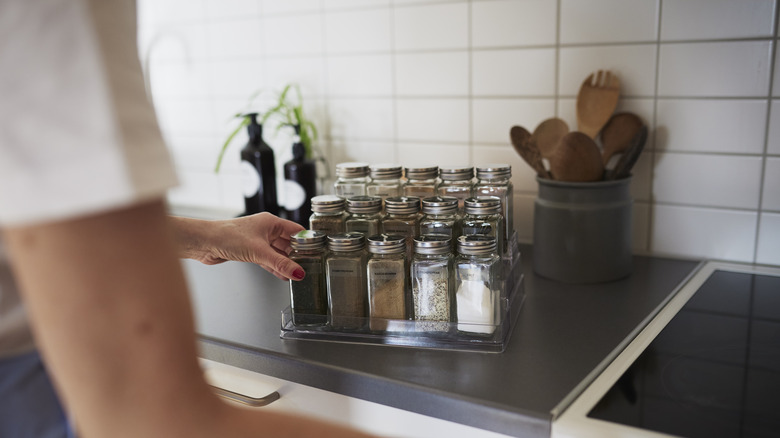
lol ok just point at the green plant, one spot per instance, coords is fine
(289, 110)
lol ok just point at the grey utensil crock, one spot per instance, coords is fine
(582, 230)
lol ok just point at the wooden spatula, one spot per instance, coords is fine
(596, 102)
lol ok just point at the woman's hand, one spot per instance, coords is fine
(262, 239)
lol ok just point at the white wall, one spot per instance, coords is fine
(409, 81)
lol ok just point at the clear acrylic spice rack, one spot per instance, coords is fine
(426, 334)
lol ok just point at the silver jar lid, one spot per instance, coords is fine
(402, 205)
(386, 171)
(422, 172)
(308, 240)
(346, 241)
(494, 171)
(364, 204)
(456, 173)
(327, 204)
(440, 205)
(386, 244)
(352, 170)
(476, 244)
(482, 205)
(432, 244)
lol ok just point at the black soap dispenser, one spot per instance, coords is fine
(300, 182)
(258, 172)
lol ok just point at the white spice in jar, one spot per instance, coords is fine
(475, 307)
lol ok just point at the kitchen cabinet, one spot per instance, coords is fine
(564, 337)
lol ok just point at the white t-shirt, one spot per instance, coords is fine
(77, 133)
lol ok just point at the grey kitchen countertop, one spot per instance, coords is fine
(564, 336)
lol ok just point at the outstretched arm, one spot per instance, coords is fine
(263, 239)
(111, 314)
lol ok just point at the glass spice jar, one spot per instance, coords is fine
(494, 180)
(483, 217)
(421, 181)
(440, 216)
(387, 270)
(403, 218)
(385, 181)
(346, 281)
(327, 214)
(351, 179)
(433, 283)
(456, 181)
(364, 214)
(309, 297)
(477, 285)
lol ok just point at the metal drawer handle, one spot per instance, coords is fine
(245, 399)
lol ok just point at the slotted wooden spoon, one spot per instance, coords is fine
(526, 147)
(596, 102)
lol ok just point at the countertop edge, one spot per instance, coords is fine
(424, 401)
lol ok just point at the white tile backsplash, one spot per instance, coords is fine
(719, 69)
(771, 195)
(410, 80)
(431, 26)
(714, 19)
(703, 233)
(511, 23)
(358, 31)
(707, 180)
(432, 74)
(441, 120)
(769, 239)
(608, 21)
(634, 65)
(507, 72)
(724, 126)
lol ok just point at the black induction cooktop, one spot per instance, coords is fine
(713, 371)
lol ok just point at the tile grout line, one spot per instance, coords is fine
(764, 158)
(652, 202)
(470, 73)
(394, 85)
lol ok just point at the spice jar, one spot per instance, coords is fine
(403, 218)
(421, 181)
(440, 216)
(387, 286)
(346, 280)
(456, 181)
(309, 297)
(327, 214)
(483, 217)
(385, 181)
(478, 292)
(433, 283)
(494, 180)
(363, 214)
(351, 179)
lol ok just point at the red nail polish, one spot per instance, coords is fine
(299, 274)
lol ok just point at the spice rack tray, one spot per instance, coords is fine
(420, 334)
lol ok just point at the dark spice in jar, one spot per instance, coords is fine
(346, 280)
(309, 297)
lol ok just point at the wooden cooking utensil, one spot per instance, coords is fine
(577, 158)
(618, 133)
(548, 134)
(630, 156)
(596, 101)
(526, 147)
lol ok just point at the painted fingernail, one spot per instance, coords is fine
(299, 274)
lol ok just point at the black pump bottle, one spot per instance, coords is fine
(258, 172)
(300, 183)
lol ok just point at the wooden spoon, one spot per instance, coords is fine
(630, 156)
(596, 102)
(617, 134)
(577, 158)
(548, 134)
(526, 147)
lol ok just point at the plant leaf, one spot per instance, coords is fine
(244, 123)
